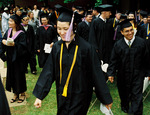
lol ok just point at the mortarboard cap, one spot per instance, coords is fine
(88, 13)
(105, 7)
(143, 13)
(123, 16)
(118, 11)
(131, 12)
(79, 8)
(124, 24)
(5, 9)
(66, 15)
(58, 6)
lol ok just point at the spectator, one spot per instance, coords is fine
(5, 18)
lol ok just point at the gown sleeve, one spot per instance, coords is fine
(46, 79)
(92, 35)
(111, 70)
(4, 108)
(99, 82)
(3, 48)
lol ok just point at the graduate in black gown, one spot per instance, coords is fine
(84, 26)
(101, 33)
(143, 29)
(116, 19)
(4, 108)
(74, 66)
(30, 40)
(45, 34)
(117, 34)
(129, 62)
(14, 44)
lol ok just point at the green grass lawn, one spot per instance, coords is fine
(49, 106)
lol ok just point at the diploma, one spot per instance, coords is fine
(47, 48)
(105, 110)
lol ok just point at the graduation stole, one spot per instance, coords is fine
(148, 31)
(24, 24)
(57, 15)
(16, 34)
(114, 22)
(46, 26)
(70, 72)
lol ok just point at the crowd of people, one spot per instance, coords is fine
(72, 46)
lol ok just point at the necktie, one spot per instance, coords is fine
(129, 43)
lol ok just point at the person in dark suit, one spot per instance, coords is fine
(84, 26)
(130, 63)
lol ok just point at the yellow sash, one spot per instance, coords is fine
(70, 72)
(56, 14)
(114, 23)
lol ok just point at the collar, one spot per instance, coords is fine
(116, 20)
(132, 40)
(98, 15)
(74, 41)
(102, 19)
(87, 22)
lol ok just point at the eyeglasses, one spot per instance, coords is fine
(25, 20)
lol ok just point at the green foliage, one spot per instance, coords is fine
(68, 1)
(116, 2)
(98, 3)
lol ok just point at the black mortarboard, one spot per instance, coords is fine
(131, 12)
(105, 7)
(123, 16)
(16, 18)
(88, 13)
(143, 13)
(58, 6)
(66, 15)
(43, 15)
(24, 14)
(124, 24)
(79, 8)
(118, 11)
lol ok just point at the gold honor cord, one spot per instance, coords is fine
(147, 31)
(114, 23)
(56, 14)
(69, 75)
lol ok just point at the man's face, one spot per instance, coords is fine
(88, 18)
(118, 15)
(108, 14)
(128, 32)
(148, 19)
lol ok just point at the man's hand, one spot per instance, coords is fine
(111, 79)
(38, 103)
(38, 51)
(149, 78)
(109, 106)
(51, 45)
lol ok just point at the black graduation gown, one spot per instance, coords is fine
(101, 37)
(44, 36)
(142, 31)
(4, 108)
(86, 74)
(16, 61)
(83, 30)
(30, 40)
(131, 65)
(118, 34)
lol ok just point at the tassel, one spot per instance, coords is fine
(68, 34)
(65, 91)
